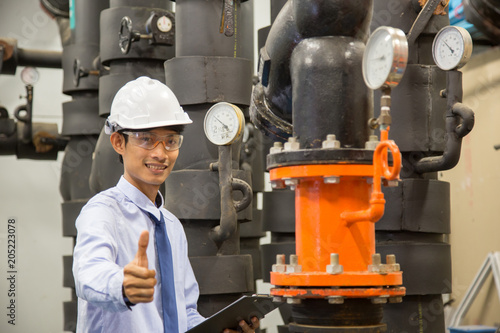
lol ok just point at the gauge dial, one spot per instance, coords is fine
(224, 123)
(164, 24)
(385, 57)
(452, 48)
(29, 75)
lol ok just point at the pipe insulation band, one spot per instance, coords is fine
(223, 274)
(200, 195)
(417, 205)
(196, 80)
(80, 117)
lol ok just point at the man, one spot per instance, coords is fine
(131, 266)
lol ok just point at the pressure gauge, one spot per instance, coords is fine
(164, 24)
(385, 57)
(29, 75)
(452, 48)
(224, 123)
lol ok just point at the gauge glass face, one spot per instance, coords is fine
(223, 124)
(29, 75)
(164, 24)
(378, 59)
(449, 48)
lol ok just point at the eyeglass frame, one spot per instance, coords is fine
(159, 138)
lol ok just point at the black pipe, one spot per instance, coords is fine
(38, 58)
(459, 122)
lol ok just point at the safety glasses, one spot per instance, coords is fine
(148, 140)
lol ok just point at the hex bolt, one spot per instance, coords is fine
(331, 180)
(390, 259)
(376, 259)
(397, 299)
(331, 142)
(278, 184)
(379, 300)
(280, 259)
(276, 148)
(334, 267)
(292, 183)
(372, 142)
(292, 144)
(293, 300)
(294, 259)
(336, 300)
(334, 258)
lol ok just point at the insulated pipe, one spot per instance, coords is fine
(38, 58)
(455, 129)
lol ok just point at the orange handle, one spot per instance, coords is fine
(381, 168)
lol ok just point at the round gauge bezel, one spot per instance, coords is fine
(28, 71)
(466, 52)
(159, 24)
(239, 117)
(399, 57)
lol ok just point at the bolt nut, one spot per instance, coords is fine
(334, 267)
(397, 299)
(293, 300)
(291, 182)
(331, 142)
(280, 266)
(276, 148)
(331, 180)
(372, 143)
(278, 184)
(292, 144)
(391, 183)
(294, 266)
(278, 299)
(379, 300)
(335, 300)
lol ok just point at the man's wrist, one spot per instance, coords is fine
(128, 303)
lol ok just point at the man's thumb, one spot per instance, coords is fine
(141, 256)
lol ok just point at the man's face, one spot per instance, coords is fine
(143, 168)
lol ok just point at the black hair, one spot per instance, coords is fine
(176, 128)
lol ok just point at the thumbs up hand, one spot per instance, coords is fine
(139, 281)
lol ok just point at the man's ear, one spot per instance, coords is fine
(118, 142)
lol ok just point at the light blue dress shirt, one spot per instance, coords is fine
(108, 233)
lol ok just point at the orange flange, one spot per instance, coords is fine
(347, 279)
(335, 292)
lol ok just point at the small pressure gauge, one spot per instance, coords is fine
(452, 48)
(224, 123)
(164, 24)
(385, 57)
(29, 75)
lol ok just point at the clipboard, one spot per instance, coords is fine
(245, 308)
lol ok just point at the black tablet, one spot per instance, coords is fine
(244, 308)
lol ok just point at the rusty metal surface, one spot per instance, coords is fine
(347, 279)
(341, 292)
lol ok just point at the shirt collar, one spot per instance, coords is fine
(140, 199)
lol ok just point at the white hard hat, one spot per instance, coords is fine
(145, 103)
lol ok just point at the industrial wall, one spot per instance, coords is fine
(475, 200)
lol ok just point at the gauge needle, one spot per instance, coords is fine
(379, 58)
(452, 51)
(225, 126)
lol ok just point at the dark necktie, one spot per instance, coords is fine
(164, 251)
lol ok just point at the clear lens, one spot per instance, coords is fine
(148, 140)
